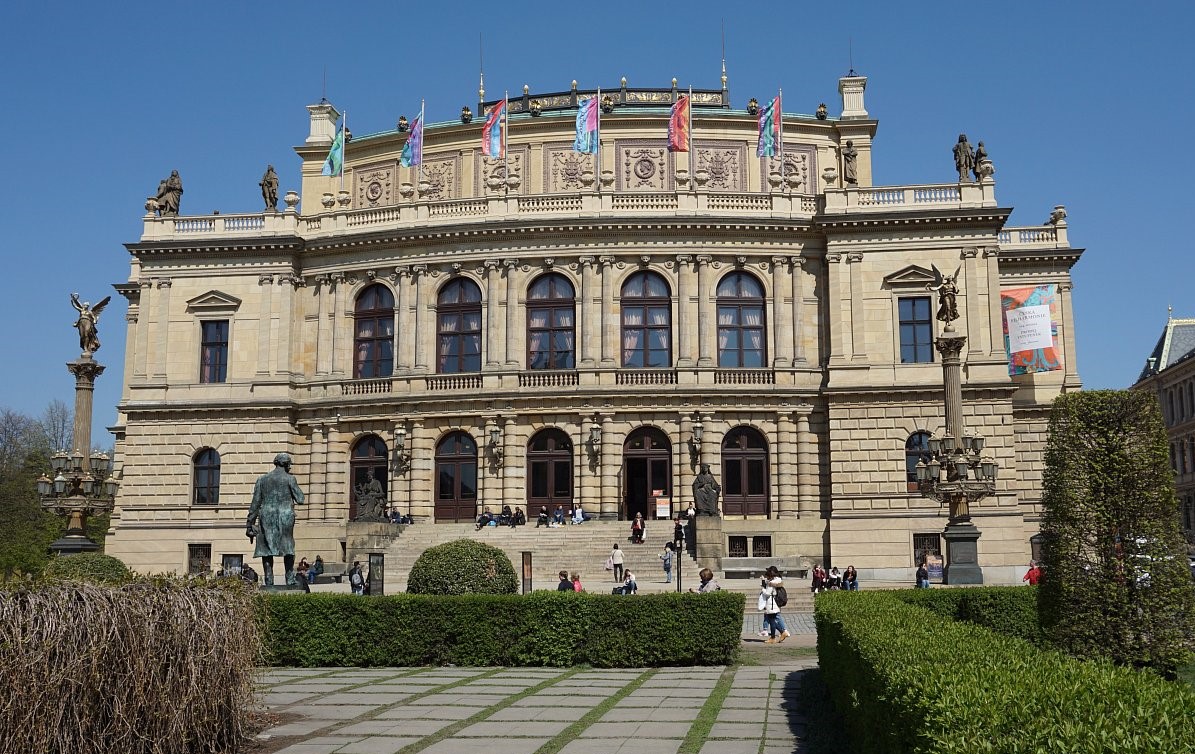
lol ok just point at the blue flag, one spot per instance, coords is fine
(587, 127)
(334, 165)
(412, 151)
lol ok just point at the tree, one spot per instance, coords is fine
(1116, 579)
(57, 425)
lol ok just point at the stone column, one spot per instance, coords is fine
(995, 313)
(782, 325)
(144, 322)
(491, 317)
(684, 286)
(788, 505)
(808, 476)
(1067, 336)
(86, 370)
(510, 460)
(404, 353)
(975, 329)
(586, 330)
(398, 491)
(950, 346)
(858, 339)
(286, 314)
(706, 313)
(323, 337)
(339, 283)
(798, 320)
(512, 305)
(609, 312)
(337, 482)
(422, 317)
(264, 321)
(317, 502)
(423, 466)
(610, 464)
(163, 332)
(686, 470)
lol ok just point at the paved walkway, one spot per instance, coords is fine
(523, 710)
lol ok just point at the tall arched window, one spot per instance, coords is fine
(456, 478)
(551, 314)
(744, 473)
(741, 329)
(368, 470)
(916, 448)
(373, 345)
(458, 327)
(207, 477)
(646, 322)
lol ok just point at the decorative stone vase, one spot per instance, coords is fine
(494, 182)
(514, 181)
(328, 200)
(403, 124)
(830, 175)
(775, 179)
(682, 178)
(343, 198)
(753, 106)
(793, 180)
(536, 107)
(291, 199)
(423, 188)
(607, 178)
(701, 176)
(607, 104)
(985, 170)
(587, 177)
(406, 190)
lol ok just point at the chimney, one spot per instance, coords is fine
(323, 123)
(851, 88)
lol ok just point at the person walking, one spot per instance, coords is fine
(708, 583)
(678, 534)
(1033, 575)
(666, 558)
(356, 579)
(769, 588)
(617, 560)
(565, 584)
(576, 579)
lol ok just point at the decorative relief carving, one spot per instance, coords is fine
(374, 185)
(723, 163)
(566, 170)
(665, 97)
(800, 162)
(493, 176)
(642, 168)
(439, 179)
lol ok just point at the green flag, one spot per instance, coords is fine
(334, 165)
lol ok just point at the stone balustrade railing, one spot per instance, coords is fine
(221, 226)
(904, 198)
(1034, 237)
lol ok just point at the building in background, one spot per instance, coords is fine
(551, 327)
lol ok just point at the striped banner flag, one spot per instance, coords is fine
(678, 126)
(769, 130)
(493, 135)
(587, 127)
(412, 151)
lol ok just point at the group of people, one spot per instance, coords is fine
(560, 517)
(506, 518)
(397, 517)
(822, 581)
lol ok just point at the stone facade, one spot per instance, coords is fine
(797, 397)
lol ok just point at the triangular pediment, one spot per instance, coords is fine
(213, 301)
(910, 277)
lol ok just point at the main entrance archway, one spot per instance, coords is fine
(456, 478)
(647, 471)
(744, 473)
(549, 471)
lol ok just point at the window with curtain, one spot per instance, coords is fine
(373, 345)
(213, 351)
(916, 330)
(458, 327)
(646, 322)
(551, 317)
(742, 332)
(206, 487)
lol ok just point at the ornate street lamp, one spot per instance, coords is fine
(954, 470)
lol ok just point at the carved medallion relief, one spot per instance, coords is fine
(490, 175)
(800, 167)
(440, 177)
(374, 185)
(643, 166)
(566, 170)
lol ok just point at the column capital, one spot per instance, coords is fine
(286, 278)
(854, 256)
(803, 410)
(146, 283)
(969, 252)
(606, 261)
(991, 251)
(492, 264)
(266, 279)
(833, 257)
(684, 258)
(585, 261)
(163, 282)
(778, 262)
(798, 262)
(510, 264)
(338, 277)
(1065, 287)
(402, 271)
(419, 269)
(704, 259)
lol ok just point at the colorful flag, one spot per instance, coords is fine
(678, 126)
(493, 135)
(587, 127)
(334, 165)
(769, 129)
(1029, 330)
(412, 151)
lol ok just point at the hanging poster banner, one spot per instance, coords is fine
(1029, 330)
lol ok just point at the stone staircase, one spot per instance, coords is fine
(582, 548)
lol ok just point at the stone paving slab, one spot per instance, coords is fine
(618, 746)
(377, 745)
(636, 729)
(519, 729)
(561, 712)
(737, 730)
(495, 746)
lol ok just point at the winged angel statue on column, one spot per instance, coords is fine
(89, 339)
(947, 288)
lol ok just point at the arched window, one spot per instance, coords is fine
(744, 473)
(458, 327)
(368, 470)
(207, 477)
(741, 328)
(373, 345)
(456, 478)
(916, 448)
(549, 471)
(646, 322)
(551, 310)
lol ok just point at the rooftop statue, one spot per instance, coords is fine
(850, 167)
(947, 288)
(170, 194)
(89, 316)
(269, 189)
(271, 519)
(964, 159)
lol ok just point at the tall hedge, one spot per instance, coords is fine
(542, 628)
(464, 566)
(1116, 579)
(1007, 610)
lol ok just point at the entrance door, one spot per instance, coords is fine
(647, 464)
(456, 478)
(744, 473)
(549, 472)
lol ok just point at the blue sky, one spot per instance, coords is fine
(1087, 105)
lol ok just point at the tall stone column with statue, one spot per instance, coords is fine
(271, 521)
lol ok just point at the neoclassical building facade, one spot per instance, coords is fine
(555, 328)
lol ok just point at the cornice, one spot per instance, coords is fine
(965, 217)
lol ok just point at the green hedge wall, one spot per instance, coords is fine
(906, 680)
(1007, 610)
(543, 628)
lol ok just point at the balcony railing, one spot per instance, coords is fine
(645, 377)
(905, 198)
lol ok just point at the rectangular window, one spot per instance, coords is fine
(213, 351)
(926, 546)
(916, 330)
(199, 559)
(232, 564)
(737, 548)
(761, 547)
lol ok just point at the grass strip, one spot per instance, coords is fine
(700, 730)
(477, 717)
(572, 732)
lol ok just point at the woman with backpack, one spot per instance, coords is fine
(773, 597)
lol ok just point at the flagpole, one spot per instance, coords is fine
(422, 102)
(780, 137)
(692, 181)
(597, 102)
(505, 144)
(344, 145)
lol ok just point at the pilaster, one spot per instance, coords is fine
(858, 337)
(422, 315)
(323, 342)
(492, 267)
(684, 287)
(782, 296)
(808, 502)
(798, 313)
(286, 314)
(335, 345)
(404, 354)
(163, 331)
(144, 323)
(991, 255)
(706, 301)
(788, 442)
(976, 332)
(1070, 378)
(840, 336)
(609, 468)
(609, 312)
(423, 464)
(265, 284)
(588, 318)
(512, 305)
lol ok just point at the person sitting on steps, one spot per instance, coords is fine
(518, 519)
(484, 519)
(543, 517)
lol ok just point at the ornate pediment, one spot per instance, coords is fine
(213, 302)
(910, 277)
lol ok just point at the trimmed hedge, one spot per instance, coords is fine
(542, 628)
(1007, 610)
(463, 566)
(907, 681)
(92, 567)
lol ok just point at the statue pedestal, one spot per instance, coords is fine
(709, 541)
(962, 556)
